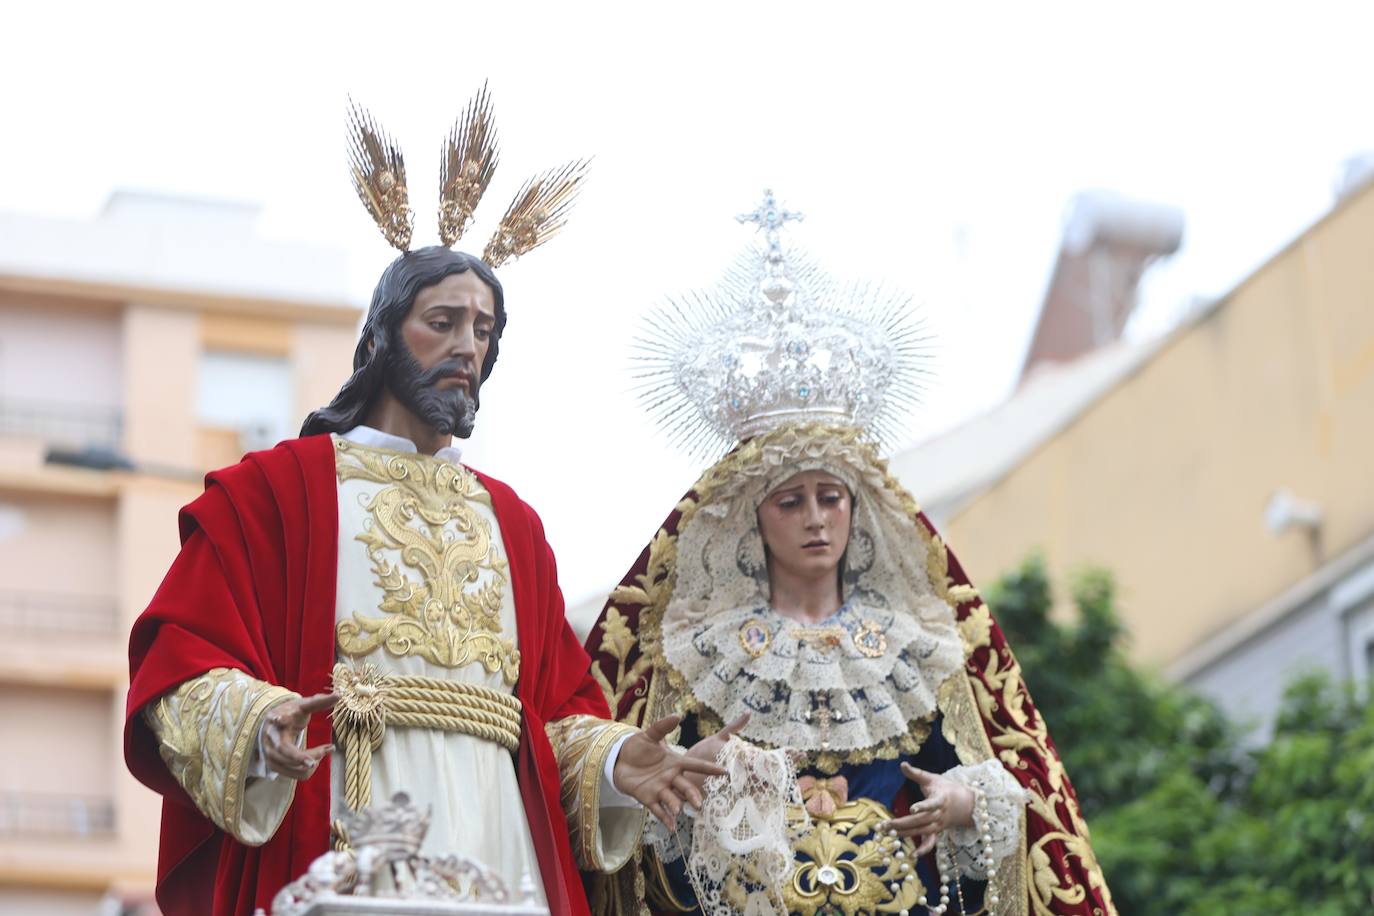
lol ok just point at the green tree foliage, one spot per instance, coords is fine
(1188, 815)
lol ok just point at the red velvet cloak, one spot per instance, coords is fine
(254, 588)
(1065, 877)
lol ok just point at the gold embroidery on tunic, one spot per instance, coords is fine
(424, 511)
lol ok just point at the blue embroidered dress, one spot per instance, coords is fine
(853, 697)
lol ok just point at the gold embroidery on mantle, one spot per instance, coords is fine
(844, 865)
(424, 512)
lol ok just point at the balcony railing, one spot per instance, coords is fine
(62, 424)
(51, 814)
(47, 612)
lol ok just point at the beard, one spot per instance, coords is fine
(450, 411)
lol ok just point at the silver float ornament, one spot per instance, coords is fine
(384, 872)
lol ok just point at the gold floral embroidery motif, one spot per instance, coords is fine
(424, 511)
(619, 642)
(844, 865)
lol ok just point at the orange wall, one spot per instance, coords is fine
(1165, 480)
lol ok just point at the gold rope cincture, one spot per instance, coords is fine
(369, 701)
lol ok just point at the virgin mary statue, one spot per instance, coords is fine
(883, 754)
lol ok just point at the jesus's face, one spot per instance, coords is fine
(436, 370)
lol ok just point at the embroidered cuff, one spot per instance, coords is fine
(207, 731)
(604, 836)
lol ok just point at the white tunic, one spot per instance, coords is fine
(468, 783)
(423, 591)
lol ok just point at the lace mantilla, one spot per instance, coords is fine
(900, 638)
(860, 679)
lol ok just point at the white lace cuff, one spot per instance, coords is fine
(981, 847)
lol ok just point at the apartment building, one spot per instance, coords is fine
(137, 350)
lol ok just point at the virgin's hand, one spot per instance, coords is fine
(288, 721)
(708, 749)
(656, 777)
(946, 804)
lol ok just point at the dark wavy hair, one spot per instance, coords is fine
(391, 301)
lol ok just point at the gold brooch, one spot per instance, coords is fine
(754, 637)
(820, 639)
(362, 694)
(870, 639)
(846, 866)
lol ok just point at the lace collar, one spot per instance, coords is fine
(854, 681)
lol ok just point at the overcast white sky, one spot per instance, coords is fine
(933, 147)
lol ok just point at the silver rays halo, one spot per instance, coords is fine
(778, 341)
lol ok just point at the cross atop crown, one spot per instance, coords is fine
(769, 217)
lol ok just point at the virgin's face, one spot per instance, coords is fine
(805, 524)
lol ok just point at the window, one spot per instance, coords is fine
(249, 394)
(61, 376)
(1353, 599)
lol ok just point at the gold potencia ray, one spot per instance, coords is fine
(539, 210)
(468, 161)
(467, 164)
(379, 177)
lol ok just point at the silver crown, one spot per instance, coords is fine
(779, 342)
(397, 828)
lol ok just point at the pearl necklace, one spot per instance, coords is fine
(946, 866)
